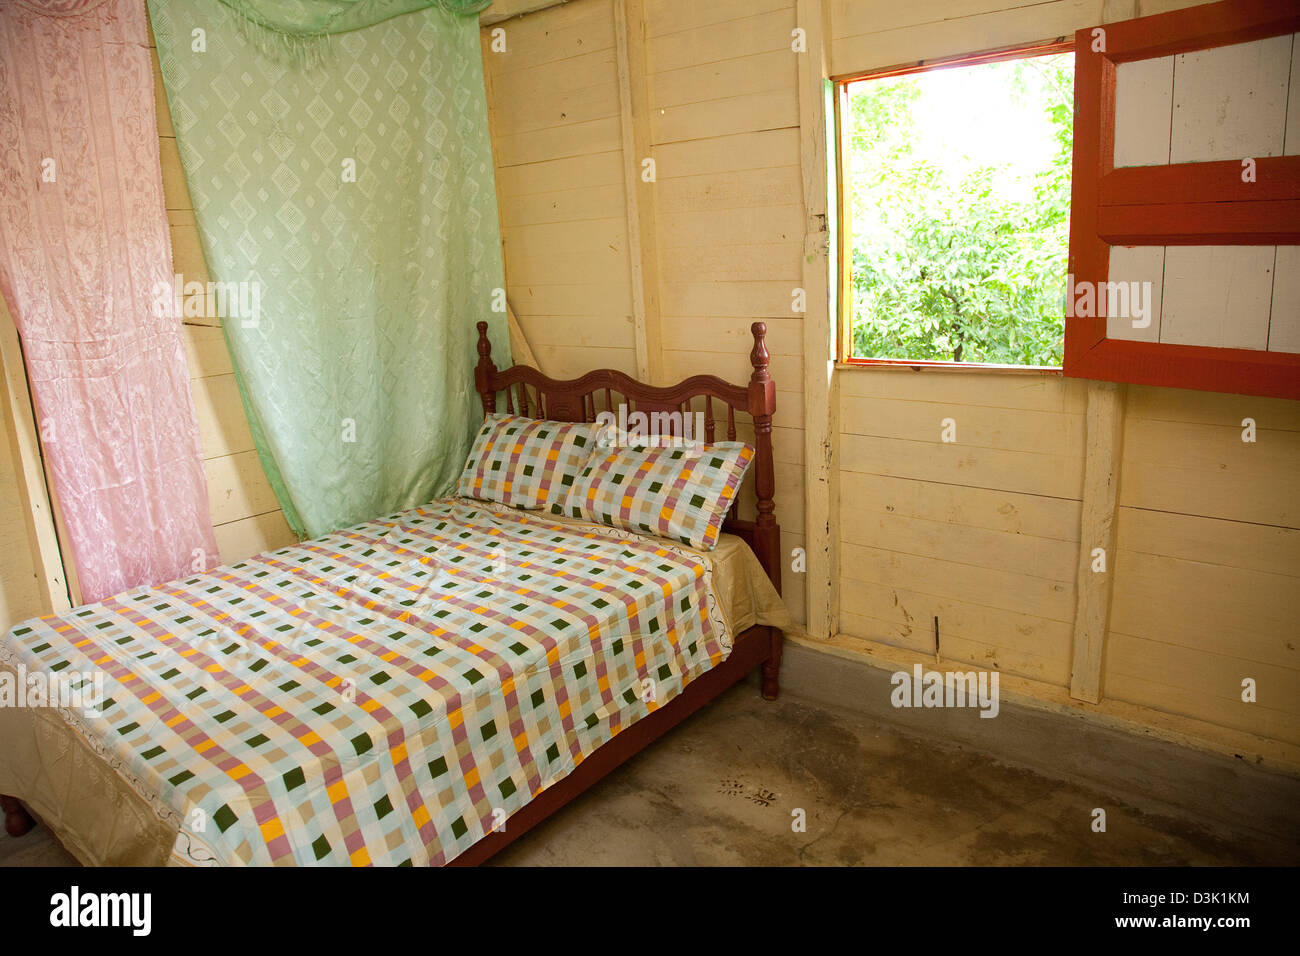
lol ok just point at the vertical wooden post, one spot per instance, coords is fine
(642, 229)
(520, 351)
(820, 394)
(762, 403)
(1101, 471)
(767, 533)
(17, 418)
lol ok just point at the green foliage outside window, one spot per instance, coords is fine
(948, 262)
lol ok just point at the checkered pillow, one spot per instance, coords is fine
(523, 462)
(677, 493)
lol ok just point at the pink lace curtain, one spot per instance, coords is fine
(84, 248)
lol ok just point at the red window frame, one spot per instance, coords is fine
(1180, 204)
(844, 336)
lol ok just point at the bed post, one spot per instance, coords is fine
(767, 534)
(485, 371)
(17, 820)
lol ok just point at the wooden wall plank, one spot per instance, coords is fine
(994, 30)
(743, 113)
(1228, 544)
(1096, 572)
(1022, 644)
(253, 535)
(1207, 470)
(1291, 146)
(642, 229)
(1039, 432)
(973, 584)
(223, 427)
(1144, 91)
(567, 173)
(1246, 613)
(746, 36)
(853, 18)
(584, 204)
(1284, 310)
(1230, 101)
(505, 9)
(33, 520)
(237, 487)
(679, 16)
(1211, 408)
(992, 509)
(769, 72)
(1025, 554)
(1046, 392)
(594, 297)
(1055, 476)
(1141, 269)
(1220, 712)
(23, 591)
(763, 149)
(1217, 296)
(822, 406)
(554, 34)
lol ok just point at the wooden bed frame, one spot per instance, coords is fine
(580, 400)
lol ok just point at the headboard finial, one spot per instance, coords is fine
(762, 403)
(484, 371)
(759, 357)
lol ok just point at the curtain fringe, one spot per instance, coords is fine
(304, 50)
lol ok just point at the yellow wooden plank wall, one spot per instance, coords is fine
(557, 140)
(724, 131)
(1207, 586)
(725, 141)
(20, 596)
(982, 533)
(245, 513)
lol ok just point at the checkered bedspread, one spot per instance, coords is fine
(387, 694)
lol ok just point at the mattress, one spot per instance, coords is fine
(384, 695)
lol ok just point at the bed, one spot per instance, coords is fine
(419, 689)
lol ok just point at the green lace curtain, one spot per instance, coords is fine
(311, 18)
(338, 158)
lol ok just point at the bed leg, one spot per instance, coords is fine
(772, 667)
(17, 820)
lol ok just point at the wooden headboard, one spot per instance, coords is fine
(582, 399)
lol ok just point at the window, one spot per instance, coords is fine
(955, 201)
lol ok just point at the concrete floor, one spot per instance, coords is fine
(723, 788)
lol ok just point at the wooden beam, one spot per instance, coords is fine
(643, 248)
(505, 9)
(821, 404)
(1102, 460)
(18, 419)
(520, 350)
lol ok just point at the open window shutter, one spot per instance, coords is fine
(1185, 214)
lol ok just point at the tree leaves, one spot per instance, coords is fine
(944, 265)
